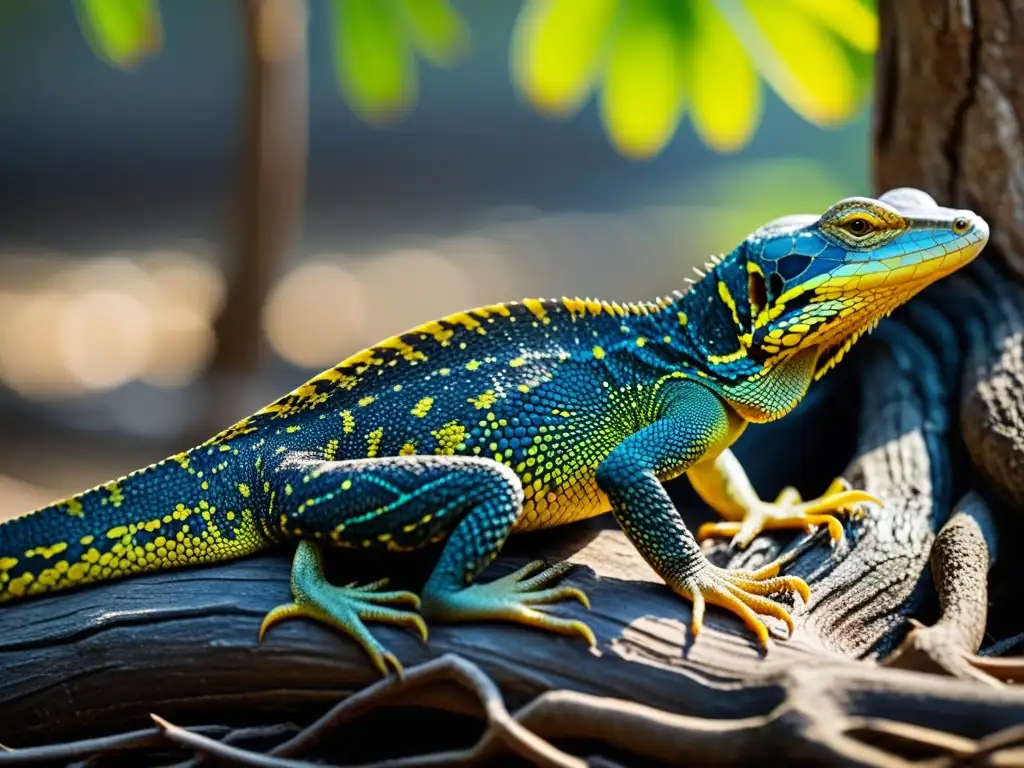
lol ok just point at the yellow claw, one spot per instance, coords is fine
(744, 593)
(789, 512)
(390, 658)
(281, 613)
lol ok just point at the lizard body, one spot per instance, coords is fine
(516, 417)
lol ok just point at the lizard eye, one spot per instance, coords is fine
(857, 226)
(960, 225)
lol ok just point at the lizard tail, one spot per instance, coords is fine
(156, 518)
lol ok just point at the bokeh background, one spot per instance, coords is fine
(204, 202)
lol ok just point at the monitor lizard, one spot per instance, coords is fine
(521, 416)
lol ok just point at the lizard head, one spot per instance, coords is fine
(824, 281)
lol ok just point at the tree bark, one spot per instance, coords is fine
(273, 172)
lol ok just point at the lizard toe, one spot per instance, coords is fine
(346, 608)
(519, 597)
(787, 512)
(741, 593)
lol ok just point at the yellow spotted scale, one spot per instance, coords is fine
(522, 416)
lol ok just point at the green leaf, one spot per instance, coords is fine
(122, 32)
(645, 80)
(863, 68)
(372, 60)
(558, 49)
(724, 90)
(436, 29)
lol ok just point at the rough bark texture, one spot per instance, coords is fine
(940, 417)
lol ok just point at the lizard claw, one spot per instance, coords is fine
(511, 598)
(742, 592)
(788, 511)
(345, 608)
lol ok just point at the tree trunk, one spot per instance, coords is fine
(270, 200)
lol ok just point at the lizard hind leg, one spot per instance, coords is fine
(402, 503)
(345, 608)
(451, 594)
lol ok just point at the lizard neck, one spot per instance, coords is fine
(707, 329)
(704, 334)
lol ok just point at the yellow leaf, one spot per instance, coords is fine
(644, 83)
(803, 63)
(851, 20)
(725, 92)
(557, 51)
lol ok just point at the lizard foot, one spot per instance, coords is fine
(742, 592)
(345, 608)
(790, 511)
(518, 597)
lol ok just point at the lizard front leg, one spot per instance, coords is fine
(723, 484)
(399, 504)
(692, 423)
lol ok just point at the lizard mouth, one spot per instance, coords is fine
(896, 293)
(834, 350)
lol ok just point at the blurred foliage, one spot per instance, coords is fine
(720, 203)
(650, 61)
(121, 32)
(374, 43)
